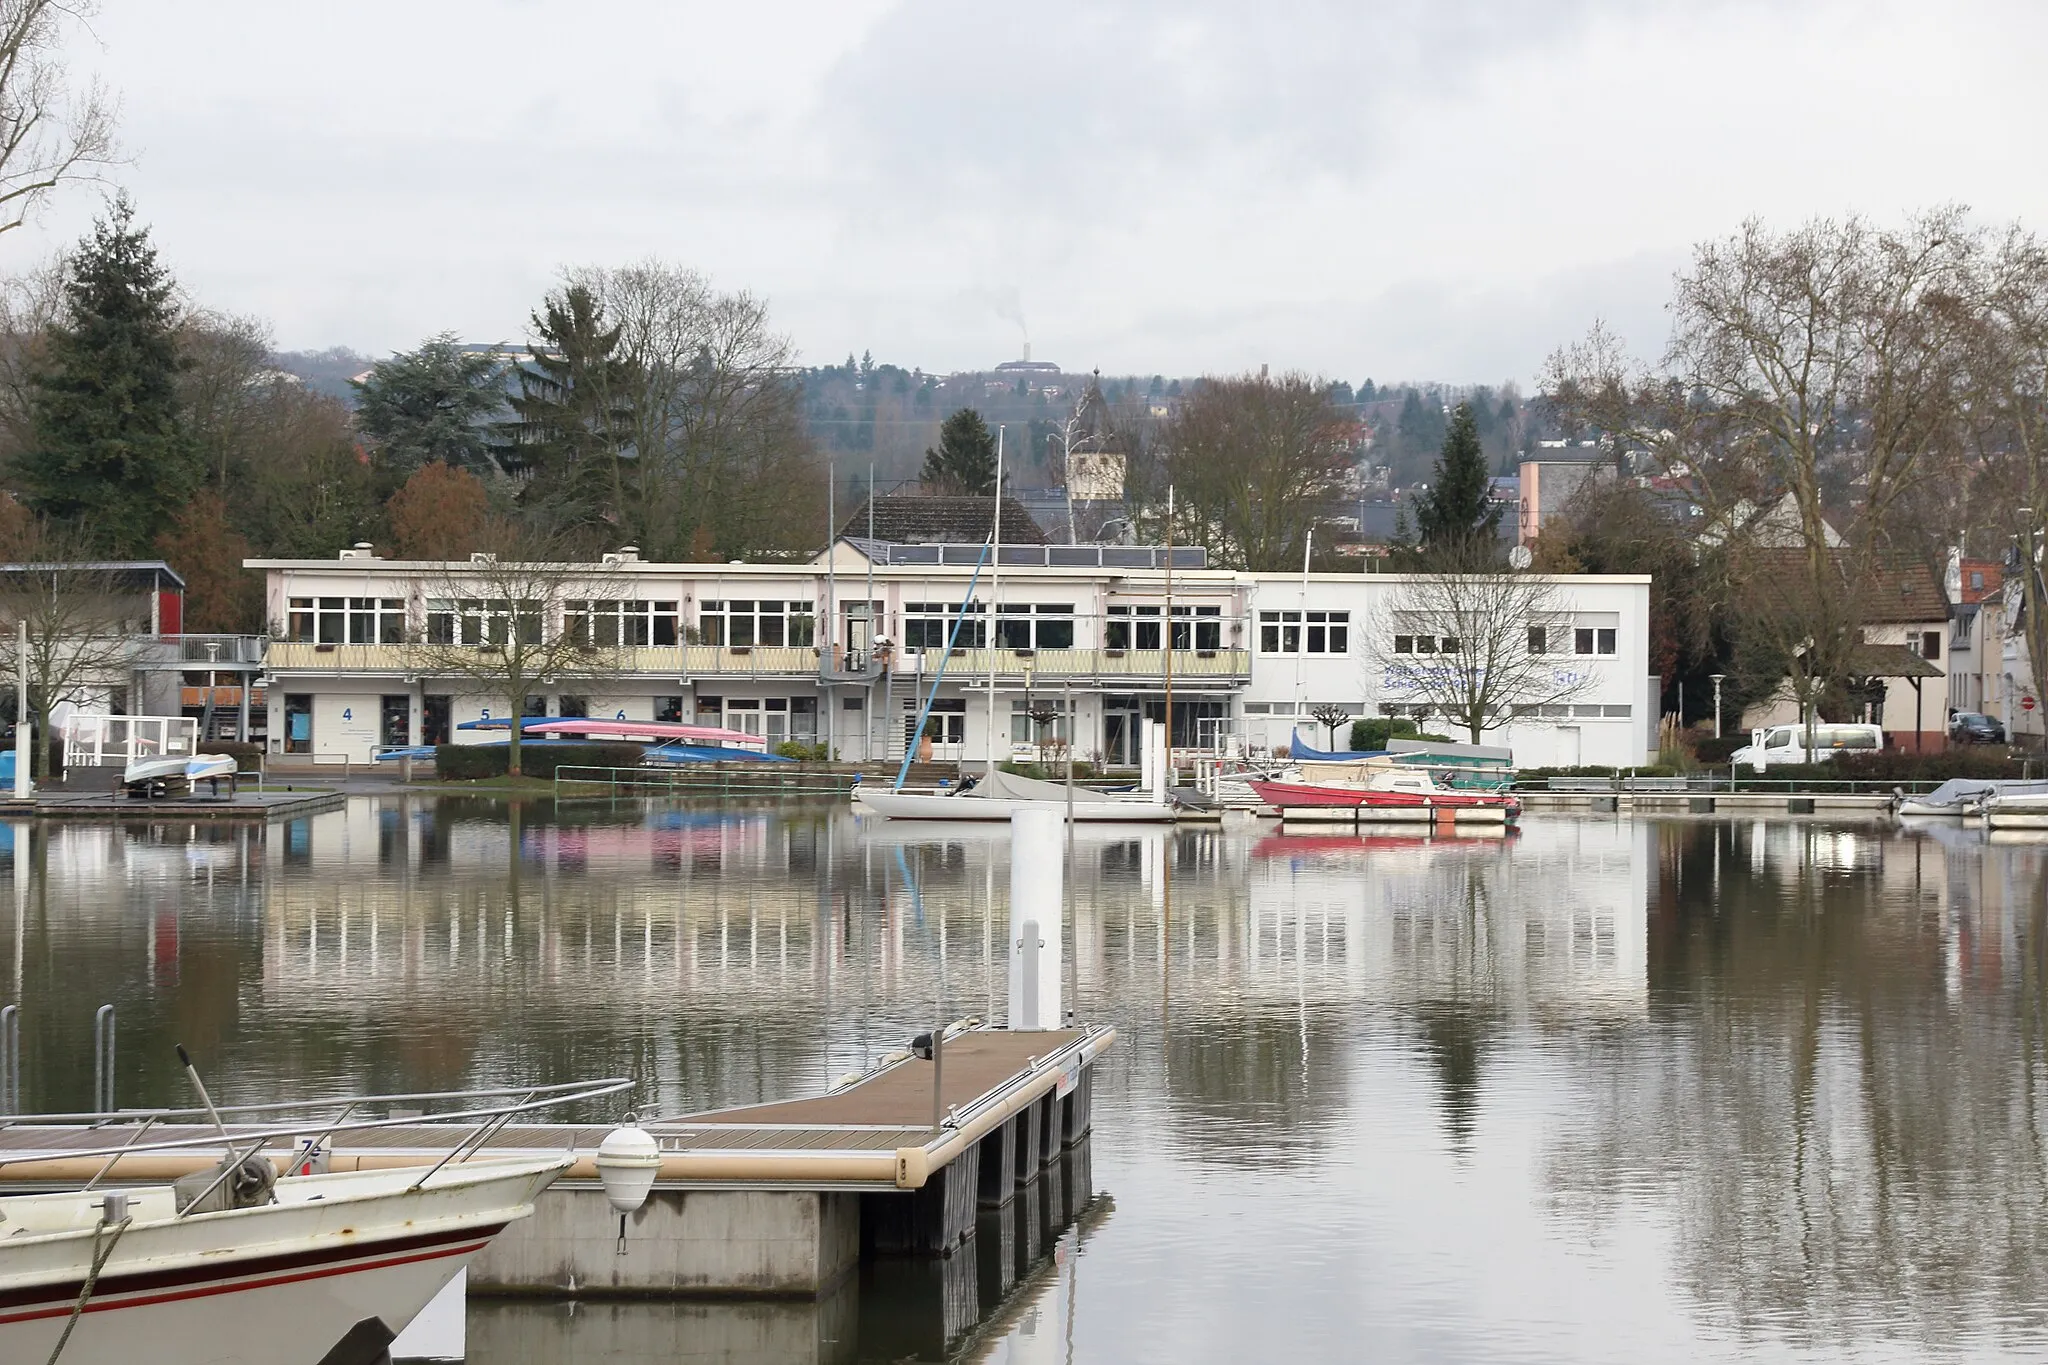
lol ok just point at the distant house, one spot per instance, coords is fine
(1905, 620)
(1976, 634)
(1544, 486)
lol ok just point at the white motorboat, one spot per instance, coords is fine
(2016, 809)
(330, 1270)
(1961, 796)
(234, 1265)
(1001, 795)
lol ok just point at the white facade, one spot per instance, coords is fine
(788, 652)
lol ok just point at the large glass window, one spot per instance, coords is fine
(928, 625)
(347, 620)
(483, 621)
(1133, 627)
(1307, 632)
(1042, 626)
(742, 623)
(1140, 627)
(1593, 640)
(1056, 729)
(621, 625)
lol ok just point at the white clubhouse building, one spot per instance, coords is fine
(842, 650)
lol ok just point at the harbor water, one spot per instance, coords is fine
(1604, 1090)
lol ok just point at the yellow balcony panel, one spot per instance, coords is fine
(298, 657)
(743, 661)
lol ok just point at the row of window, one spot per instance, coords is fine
(1304, 632)
(744, 624)
(926, 625)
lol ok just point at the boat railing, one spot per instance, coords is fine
(290, 1120)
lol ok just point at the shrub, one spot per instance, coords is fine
(802, 752)
(1372, 734)
(248, 757)
(469, 762)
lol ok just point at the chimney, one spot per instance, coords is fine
(1027, 351)
(1262, 374)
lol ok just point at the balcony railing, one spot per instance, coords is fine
(1086, 663)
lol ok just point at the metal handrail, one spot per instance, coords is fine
(289, 1131)
(560, 1093)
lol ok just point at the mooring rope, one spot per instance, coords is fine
(92, 1276)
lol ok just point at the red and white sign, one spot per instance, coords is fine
(2026, 703)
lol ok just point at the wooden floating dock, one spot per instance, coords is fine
(777, 1199)
(257, 805)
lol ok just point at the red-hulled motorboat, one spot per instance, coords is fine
(1391, 794)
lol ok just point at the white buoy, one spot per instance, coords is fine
(627, 1161)
(1037, 873)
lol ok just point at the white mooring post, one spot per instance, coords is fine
(21, 726)
(1037, 878)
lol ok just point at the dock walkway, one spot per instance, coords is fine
(772, 1199)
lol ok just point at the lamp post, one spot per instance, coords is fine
(1717, 702)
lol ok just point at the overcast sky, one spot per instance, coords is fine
(1418, 189)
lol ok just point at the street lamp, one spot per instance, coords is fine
(1717, 702)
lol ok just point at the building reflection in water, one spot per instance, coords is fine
(1801, 1063)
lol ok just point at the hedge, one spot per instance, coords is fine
(469, 762)
(1892, 766)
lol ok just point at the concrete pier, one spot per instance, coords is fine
(768, 1201)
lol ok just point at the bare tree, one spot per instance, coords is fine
(1253, 463)
(29, 302)
(721, 457)
(517, 617)
(49, 131)
(2009, 373)
(1481, 647)
(226, 390)
(83, 619)
(1820, 370)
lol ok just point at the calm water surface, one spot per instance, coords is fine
(1610, 1091)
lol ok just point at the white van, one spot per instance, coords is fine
(1778, 744)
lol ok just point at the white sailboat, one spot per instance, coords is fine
(1001, 795)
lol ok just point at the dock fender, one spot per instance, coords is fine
(913, 1168)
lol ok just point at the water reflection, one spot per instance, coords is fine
(1605, 1090)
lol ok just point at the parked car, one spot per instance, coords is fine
(1776, 744)
(1974, 727)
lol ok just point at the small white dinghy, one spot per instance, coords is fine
(165, 774)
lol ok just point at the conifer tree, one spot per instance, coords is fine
(1456, 516)
(573, 409)
(965, 461)
(110, 452)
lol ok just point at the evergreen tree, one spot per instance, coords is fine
(110, 452)
(573, 410)
(1455, 515)
(432, 404)
(965, 461)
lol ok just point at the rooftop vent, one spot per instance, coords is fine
(362, 549)
(480, 557)
(625, 554)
